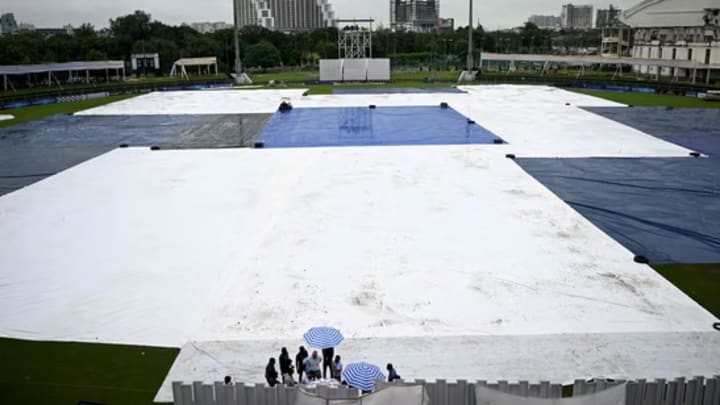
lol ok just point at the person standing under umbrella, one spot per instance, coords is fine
(328, 355)
(300, 362)
(312, 366)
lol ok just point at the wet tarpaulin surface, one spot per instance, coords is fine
(400, 90)
(364, 126)
(694, 128)
(666, 209)
(32, 151)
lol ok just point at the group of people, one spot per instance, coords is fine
(310, 367)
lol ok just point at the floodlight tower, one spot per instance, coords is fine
(238, 62)
(470, 60)
(240, 76)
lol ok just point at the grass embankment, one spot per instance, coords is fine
(435, 79)
(67, 373)
(41, 111)
(651, 100)
(700, 281)
(307, 76)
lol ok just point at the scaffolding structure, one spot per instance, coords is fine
(414, 15)
(355, 39)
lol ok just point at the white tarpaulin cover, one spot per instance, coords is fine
(6, 117)
(378, 224)
(611, 396)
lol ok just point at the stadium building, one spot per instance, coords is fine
(682, 30)
(285, 15)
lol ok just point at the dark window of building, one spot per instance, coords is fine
(689, 54)
(707, 56)
(674, 53)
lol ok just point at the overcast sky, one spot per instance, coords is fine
(491, 13)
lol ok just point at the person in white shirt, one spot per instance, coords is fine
(312, 366)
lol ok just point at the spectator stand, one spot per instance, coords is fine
(57, 73)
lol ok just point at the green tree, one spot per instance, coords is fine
(263, 54)
(95, 54)
(131, 28)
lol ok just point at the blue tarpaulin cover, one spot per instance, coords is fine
(32, 151)
(666, 209)
(694, 128)
(363, 126)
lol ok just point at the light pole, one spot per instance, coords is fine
(470, 60)
(238, 62)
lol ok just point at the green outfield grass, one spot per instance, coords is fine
(66, 373)
(41, 111)
(397, 77)
(651, 100)
(328, 88)
(700, 281)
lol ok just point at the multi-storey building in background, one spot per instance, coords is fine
(548, 22)
(577, 16)
(8, 25)
(286, 15)
(209, 27)
(607, 17)
(446, 25)
(414, 15)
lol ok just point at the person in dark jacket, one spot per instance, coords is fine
(328, 356)
(337, 368)
(285, 362)
(300, 362)
(392, 374)
(271, 374)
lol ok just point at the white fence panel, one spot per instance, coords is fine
(355, 70)
(330, 70)
(378, 70)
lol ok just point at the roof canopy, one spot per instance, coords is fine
(61, 67)
(196, 61)
(668, 13)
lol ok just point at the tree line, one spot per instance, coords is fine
(260, 47)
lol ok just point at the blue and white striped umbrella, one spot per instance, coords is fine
(323, 337)
(362, 375)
